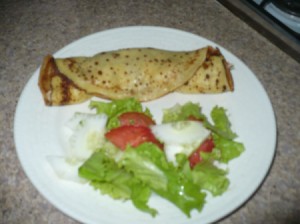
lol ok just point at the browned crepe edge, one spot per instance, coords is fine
(48, 71)
(216, 52)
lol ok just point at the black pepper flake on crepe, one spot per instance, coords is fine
(141, 73)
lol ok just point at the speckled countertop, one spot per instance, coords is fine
(31, 29)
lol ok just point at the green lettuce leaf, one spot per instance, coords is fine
(205, 174)
(182, 112)
(116, 107)
(189, 109)
(105, 176)
(148, 164)
(210, 177)
(109, 178)
(222, 123)
(140, 196)
(229, 149)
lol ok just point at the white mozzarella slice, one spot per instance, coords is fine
(87, 136)
(171, 150)
(180, 137)
(181, 132)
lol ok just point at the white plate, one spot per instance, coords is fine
(38, 134)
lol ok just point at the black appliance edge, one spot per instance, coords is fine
(265, 26)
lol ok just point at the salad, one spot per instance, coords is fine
(123, 152)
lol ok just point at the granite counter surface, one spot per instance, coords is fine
(31, 29)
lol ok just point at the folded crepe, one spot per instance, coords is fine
(142, 73)
(56, 88)
(213, 76)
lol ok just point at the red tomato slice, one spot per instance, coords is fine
(206, 146)
(131, 135)
(135, 119)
